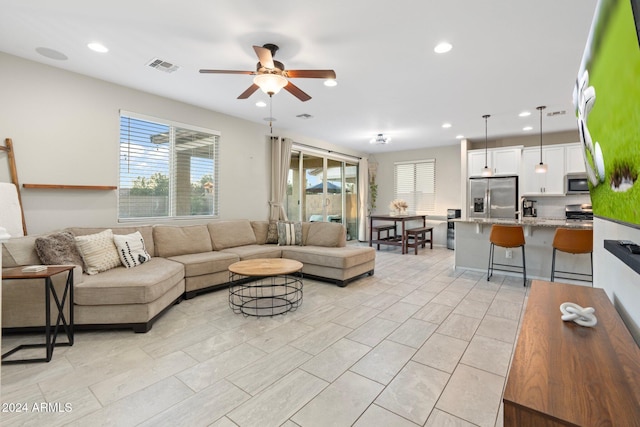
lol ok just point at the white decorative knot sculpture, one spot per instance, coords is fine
(582, 316)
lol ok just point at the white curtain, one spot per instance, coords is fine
(363, 196)
(280, 160)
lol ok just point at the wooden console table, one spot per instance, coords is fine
(563, 374)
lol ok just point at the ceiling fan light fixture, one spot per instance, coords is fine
(380, 139)
(270, 83)
(331, 82)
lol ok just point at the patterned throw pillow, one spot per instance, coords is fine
(131, 249)
(289, 233)
(58, 249)
(272, 232)
(98, 252)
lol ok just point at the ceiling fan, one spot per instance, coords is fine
(271, 75)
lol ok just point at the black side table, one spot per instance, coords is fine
(51, 333)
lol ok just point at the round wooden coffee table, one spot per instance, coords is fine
(265, 287)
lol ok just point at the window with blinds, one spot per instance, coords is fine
(415, 183)
(167, 170)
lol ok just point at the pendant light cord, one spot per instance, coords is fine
(486, 116)
(540, 108)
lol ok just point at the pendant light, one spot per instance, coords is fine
(541, 167)
(486, 171)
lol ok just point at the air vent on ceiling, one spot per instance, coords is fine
(304, 116)
(161, 65)
(556, 113)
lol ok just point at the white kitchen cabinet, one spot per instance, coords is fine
(574, 159)
(550, 183)
(502, 161)
(506, 161)
(475, 162)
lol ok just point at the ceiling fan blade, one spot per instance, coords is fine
(226, 72)
(247, 93)
(312, 74)
(297, 92)
(265, 57)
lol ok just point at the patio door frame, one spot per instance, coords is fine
(326, 156)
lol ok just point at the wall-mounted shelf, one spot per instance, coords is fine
(623, 254)
(70, 187)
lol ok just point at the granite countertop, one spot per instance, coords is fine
(533, 222)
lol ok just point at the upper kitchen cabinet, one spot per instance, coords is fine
(503, 161)
(550, 183)
(574, 159)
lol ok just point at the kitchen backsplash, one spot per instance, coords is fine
(554, 207)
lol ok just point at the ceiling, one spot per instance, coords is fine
(507, 56)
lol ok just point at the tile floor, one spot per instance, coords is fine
(415, 344)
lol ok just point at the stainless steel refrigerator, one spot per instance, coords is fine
(493, 197)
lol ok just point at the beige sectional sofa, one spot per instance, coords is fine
(187, 260)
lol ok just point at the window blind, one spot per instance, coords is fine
(167, 170)
(415, 183)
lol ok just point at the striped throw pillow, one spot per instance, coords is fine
(289, 233)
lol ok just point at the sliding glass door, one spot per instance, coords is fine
(323, 188)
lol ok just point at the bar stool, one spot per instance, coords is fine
(507, 236)
(573, 241)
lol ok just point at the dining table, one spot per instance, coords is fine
(400, 218)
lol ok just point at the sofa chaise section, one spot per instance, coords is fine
(325, 255)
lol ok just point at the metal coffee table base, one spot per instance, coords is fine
(265, 296)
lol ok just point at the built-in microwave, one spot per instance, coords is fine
(576, 183)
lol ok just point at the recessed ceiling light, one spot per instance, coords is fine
(525, 114)
(527, 128)
(446, 125)
(98, 47)
(459, 136)
(51, 53)
(331, 82)
(443, 47)
(261, 104)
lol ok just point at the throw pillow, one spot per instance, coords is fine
(58, 249)
(272, 232)
(98, 252)
(131, 249)
(289, 233)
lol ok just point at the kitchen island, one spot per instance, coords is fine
(472, 246)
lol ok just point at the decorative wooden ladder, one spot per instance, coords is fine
(8, 147)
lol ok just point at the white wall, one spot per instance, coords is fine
(621, 283)
(65, 130)
(447, 176)
(447, 181)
